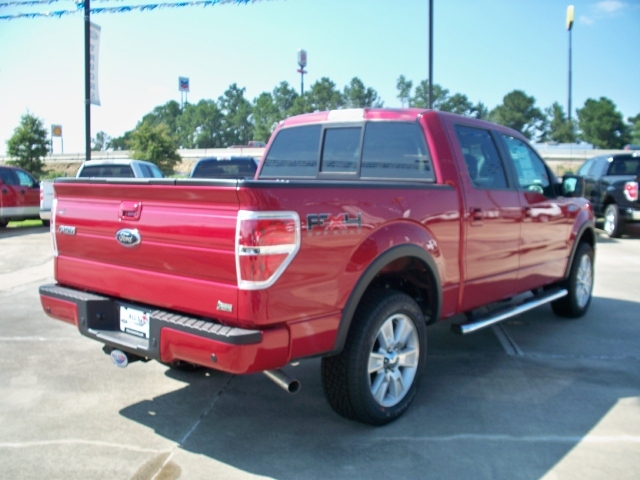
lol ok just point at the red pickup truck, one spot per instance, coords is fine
(361, 228)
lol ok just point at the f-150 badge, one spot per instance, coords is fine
(323, 223)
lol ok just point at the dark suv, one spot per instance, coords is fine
(611, 184)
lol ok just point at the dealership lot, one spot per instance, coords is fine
(535, 397)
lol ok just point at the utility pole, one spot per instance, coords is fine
(87, 81)
(430, 54)
(569, 28)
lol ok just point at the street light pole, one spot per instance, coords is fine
(430, 54)
(569, 28)
(302, 62)
(87, 81)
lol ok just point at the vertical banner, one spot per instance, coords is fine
(94, 56)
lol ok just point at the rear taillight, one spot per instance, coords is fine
(266, 243)
(52, 226)
(631, 191)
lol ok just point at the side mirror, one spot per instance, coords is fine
(572, 186)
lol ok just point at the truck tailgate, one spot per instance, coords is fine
(166, 243)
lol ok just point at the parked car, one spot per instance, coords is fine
(222, 167)
(124, 168)
(611, 184)
(19, 195)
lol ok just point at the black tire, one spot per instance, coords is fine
(613, 225)
(370, 363)
(3, 223)
(46, 223)
(579, 284)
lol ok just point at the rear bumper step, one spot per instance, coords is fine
(509, 312)
(171, 336)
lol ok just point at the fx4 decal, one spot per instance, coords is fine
(323, 223)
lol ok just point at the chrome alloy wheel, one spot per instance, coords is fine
(610, 222)
(584, 281)
(393, 361)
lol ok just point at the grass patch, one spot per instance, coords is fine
(25, 223)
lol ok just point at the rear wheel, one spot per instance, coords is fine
(579, 284)
(375, 378)
(613, 224)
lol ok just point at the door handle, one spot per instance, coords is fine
(130, 210)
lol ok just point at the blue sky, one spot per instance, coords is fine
(482, 48)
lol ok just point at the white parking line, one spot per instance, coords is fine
(508, 343)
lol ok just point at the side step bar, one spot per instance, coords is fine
(499, 316)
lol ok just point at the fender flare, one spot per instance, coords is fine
(394, 253)
(587, 229)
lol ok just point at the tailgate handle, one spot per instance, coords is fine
(130, 210)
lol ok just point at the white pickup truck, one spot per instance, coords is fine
(99, 169)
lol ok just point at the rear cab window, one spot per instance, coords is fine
(107, 171)
(372, 150)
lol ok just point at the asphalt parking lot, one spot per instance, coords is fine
(535, 397)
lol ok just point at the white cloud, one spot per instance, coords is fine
(586, 20)
(609, 7)
(603, 9)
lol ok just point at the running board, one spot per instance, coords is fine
(495, 317)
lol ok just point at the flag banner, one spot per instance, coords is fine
(94, 56)
(122, 9)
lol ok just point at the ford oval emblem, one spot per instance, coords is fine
(128, 237)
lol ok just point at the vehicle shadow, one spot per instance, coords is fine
(9, 232)
(479, 413)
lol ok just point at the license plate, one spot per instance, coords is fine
(134, 322)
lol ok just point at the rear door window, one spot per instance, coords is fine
(395, 150)
(7, 177)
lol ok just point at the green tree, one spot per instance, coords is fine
(323, 96)
(101, 142)
(284, 98)
(634, 131)
(236, 123)
(460, 104)
(265, 115)
(154, 143)
(404, 87)
(421, 97)
(121, 143)
(560, 128)
(200, 125)
(356, 95)
(167, 114)
(602, 125)
(29, 145)
(271, 108)
(518, 111)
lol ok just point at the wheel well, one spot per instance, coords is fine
(406, 268)
(413, 277)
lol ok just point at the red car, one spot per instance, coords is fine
(19, 195)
